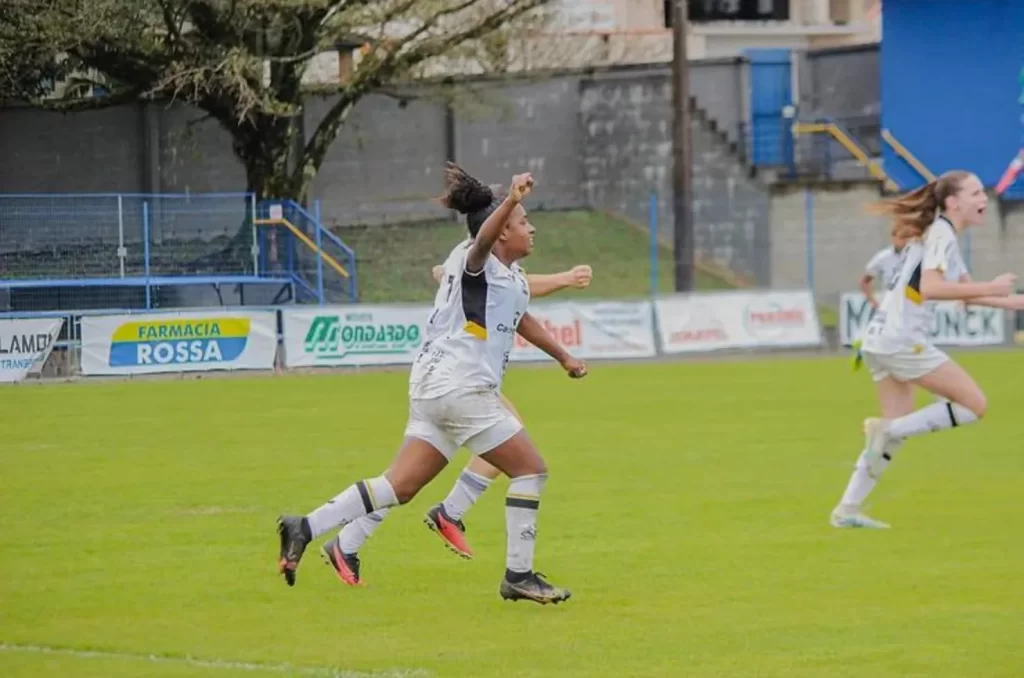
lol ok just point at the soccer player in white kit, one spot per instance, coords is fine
(896, 345)
(882, 266)
(454, 391)
(445, 518)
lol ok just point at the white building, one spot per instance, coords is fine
(586, 33)
(638, 30)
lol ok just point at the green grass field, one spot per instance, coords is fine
(687, 509)
(394, 262)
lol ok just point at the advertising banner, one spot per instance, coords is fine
(593, 330)
(954, 325)
(25, 344)
(730, 320)
(333, 336)
(178, 342)
(393, 335)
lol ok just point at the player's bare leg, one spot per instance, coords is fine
(961, 402)
(896, 399)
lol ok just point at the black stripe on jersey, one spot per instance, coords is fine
(914, 285)
(474, 303)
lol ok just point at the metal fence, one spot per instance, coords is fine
(147, 251)
(124, 235)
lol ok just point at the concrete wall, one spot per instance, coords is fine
(627, 155)
(845, 237)
(385, 164)
(526, 126)
(599, 140)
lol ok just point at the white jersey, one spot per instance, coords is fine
(884, 265)
(904, 321)
(469, 335)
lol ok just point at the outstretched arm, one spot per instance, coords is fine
(545, 284)
(939, 255)
(1013, 302)
(531, 330)
(935, 287)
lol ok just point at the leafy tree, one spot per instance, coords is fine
(242, 62)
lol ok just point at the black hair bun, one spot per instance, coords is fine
(465, 194)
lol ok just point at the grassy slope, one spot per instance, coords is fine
(395, 261)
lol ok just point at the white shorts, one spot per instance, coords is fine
(475, 419)
(904, 365)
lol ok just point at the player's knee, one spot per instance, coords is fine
(976, 404)
(538, 467)
(405, 493)
(980, 406)
(405, 490)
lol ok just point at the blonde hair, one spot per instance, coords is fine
(914, 211)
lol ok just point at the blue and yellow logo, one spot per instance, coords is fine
(178, 341)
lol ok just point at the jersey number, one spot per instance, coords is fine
(450, 282)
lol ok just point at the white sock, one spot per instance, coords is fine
(862, 483)
(465, 492)
(355, 534)
(521, 507)
(934, 417)
(366, 496)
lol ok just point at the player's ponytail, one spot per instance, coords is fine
(466, 195)
(914, 211)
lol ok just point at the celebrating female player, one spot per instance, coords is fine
(896, 346)
(883, 266)
(445, 518)
(453, 391)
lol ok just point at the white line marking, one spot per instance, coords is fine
(186, 660)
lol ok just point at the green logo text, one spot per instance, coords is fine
(328, 338)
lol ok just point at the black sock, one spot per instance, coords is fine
(516, 577)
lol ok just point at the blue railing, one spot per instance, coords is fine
(293, 241)
(819, 153)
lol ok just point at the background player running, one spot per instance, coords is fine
(882, 266)
(453, 392)
(896, 345)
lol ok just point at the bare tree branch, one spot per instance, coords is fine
(381, 70)
(172, 23)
